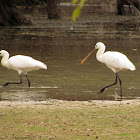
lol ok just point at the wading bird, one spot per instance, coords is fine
(116, 61)
(20, 63)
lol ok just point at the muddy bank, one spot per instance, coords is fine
(66, 104)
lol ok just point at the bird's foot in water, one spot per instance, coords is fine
(6, 84)
(101, 91)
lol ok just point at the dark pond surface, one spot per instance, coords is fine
(62, 45)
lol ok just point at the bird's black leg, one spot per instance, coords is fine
(28, 80)
(102, 90)
(120, 85)
(6, 84)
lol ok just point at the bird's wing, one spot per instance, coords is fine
(116, 60)
(24, 62)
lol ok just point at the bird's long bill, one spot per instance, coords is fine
(83, 61)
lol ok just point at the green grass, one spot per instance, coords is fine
(71, 123)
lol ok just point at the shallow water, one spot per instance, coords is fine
(62, 48)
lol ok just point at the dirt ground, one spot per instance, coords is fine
(65, 104)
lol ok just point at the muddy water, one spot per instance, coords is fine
(62, 48)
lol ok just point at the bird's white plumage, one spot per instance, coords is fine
(21, 63)
(116, 61)
(25, 63)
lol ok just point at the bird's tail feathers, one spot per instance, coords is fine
(44, 66)
(132, 68)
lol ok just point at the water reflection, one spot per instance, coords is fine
(62, 50)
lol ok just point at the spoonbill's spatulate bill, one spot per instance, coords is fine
(116, 61)
(20, 63)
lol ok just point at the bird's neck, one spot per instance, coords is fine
(4, 60)
(99, 53)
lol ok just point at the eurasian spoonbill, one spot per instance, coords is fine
(20, 63)
(116, 61)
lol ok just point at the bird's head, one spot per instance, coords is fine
(99, 45)
(3, 53)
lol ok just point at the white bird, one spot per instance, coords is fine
(116, 61)
(20, 63)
